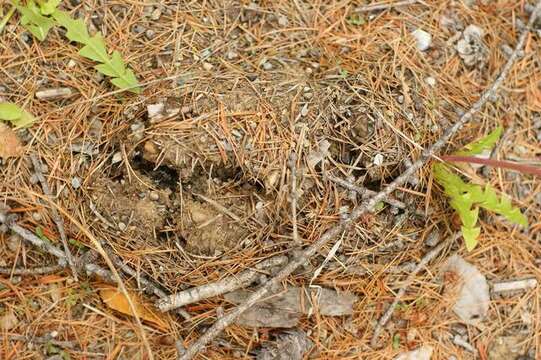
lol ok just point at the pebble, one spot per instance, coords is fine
(117, 157)
(156, 14)
(308, 96)
(282, 21)
(430, 81)
(138, 29)
(76, 182)
(231, 55)
(423, 39)
(122, 226)
(36, 216)
(71, 63)
(433, 238)
(149, 34)
(154, 196)
(14, 241)
(267, 65)
(207, 66)
(378, 160)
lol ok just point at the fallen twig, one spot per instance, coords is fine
(366, 193)
(219, 287)
(32, 271)
(47, 339)
(38, 168)
(294, 196)
(514, 285)
(424, 261)
(330, 234)
(375, 7)
(219, 207)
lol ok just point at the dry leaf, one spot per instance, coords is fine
(116, 300)
(8, 321)
(10, 145)
(473, 300)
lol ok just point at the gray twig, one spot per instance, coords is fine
(424, 261)
(47, 339)
(219, 287)
(38, 166)
(366, 193)
(294, 196)
(375, 7)
(32, 271)
(330, 234)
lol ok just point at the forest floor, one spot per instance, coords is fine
(189, 182)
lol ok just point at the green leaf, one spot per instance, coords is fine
(127, 81)
(396, 341)
(10, 111)
(25, 120)
(470, 236)
(76, 28)
(34, 21)
(114, 67)
(49, 6)
(486, 143)
(356, 20)
(95, 49)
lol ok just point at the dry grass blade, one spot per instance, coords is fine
(226, 320)
(376, 7)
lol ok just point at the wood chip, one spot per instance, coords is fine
(54, 94)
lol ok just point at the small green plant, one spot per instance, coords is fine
(16, 115)
(39, 18)
(468, 198)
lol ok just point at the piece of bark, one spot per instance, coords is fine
(54, 93)
(291, 345)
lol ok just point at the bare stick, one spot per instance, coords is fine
(330, 234)
(219, 207)
(38, 166)
(219, 287)
(424, 261)
(47, 339)
(365, 193)
(294, 196)
(32, 271)
(375, 7)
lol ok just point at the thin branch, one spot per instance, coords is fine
(32, 271)
(376, 7)
(424, 261)
(523, 168)
(294, 197)
(38, 168)
(330, 234)
(220, 287)
(47, 339)
(366, 193)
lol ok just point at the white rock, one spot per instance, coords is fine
(430, 81)
(422, 39)
(117, 157)
(154, 110)
(75, 182)
(378, 160)
(422, 353)
(207, 66)
(473, 299)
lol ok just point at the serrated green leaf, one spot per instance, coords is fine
(10, 111)
(128, 81)
(34, 21)
(49, 6)
(115, 67)
(486, 143)
(76, 28)
(470, 236)
(95, 49)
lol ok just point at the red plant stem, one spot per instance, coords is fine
(525, 169)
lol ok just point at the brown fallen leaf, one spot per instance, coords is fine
(116, 300)
(10, 145)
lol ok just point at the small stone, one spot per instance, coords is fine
(378, 160)
(267, 65)
(308, 96)
(36, 216)
(433, 238)
(422, 39)
(231, 55)
(430, 81)
(122, 226)
(154, 196)
(207, 66)
(117, 157)
(138, 29)
(149, 34)
(71, 63)
(282, 21)
(14, 242)
(156, 14)
(76, 182)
